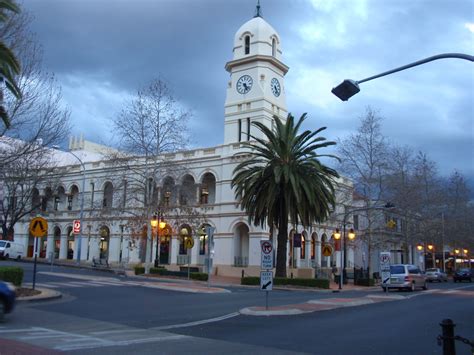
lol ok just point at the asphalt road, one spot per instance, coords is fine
(104, 313)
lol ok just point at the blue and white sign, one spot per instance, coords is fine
(267, 255)
(266, 280)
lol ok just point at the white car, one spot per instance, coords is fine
(11, 250)
(405, 276)
(436, 274)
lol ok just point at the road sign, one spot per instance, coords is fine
(327, 250)
(384, 260)
(188, 243)
(266, 280)
(267, 255)
(76, 226)
(38, 227)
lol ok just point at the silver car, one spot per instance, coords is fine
(405, 276)
(436, 274)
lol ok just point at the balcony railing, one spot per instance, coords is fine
(241, 261)
(184, 259)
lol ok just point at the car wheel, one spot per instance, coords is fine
(18, 258)
(412, 287)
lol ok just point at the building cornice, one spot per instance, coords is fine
(255, 58)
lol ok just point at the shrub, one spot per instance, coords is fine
(200, 276)
(250, 280)
(157, 270)
(321, 283)
(12, 274)
(364, 282)
(139, 270)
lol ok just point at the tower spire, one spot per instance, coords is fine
(258, 12)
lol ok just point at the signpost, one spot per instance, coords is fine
(38, 228)
(384, 260)
(266, 265)
(188, 244)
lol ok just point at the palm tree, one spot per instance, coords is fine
(284, 180)
(9, 65)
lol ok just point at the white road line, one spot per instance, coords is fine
(83, 283)
(64, 284)
(46, 285)
(117, 331)
(14, 330)
(199, 322)
(67, 347)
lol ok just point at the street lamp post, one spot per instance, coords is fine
(81, 215)
(349, 87)
(432, 250)
(158, 224)
(337, 236)
(421, 258)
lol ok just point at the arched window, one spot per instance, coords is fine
(247, 44)
(108, 195)
(273, 47)
(313, 247)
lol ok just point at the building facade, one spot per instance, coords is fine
(192, 189)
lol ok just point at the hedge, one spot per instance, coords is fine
(12, 274)
(139, 270)
(156, 270)
(364, 282)
(200, 276)
(320, 283)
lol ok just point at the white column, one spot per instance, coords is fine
(114, 249)
(318, 254)
(174, 249)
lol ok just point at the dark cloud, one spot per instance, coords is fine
(103, 50)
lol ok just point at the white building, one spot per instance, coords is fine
(255, 92)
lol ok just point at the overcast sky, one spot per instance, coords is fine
(103, 50)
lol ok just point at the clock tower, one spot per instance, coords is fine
(256, 90)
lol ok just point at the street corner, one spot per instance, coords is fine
(286, 310)
(45, 294)
(191, 288)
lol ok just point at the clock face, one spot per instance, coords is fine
(276, 88)
(244, 84)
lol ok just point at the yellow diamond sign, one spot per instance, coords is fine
(38, 227)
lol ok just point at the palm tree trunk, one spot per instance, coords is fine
(282, 239)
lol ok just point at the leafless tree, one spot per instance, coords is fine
(37, 121)
(22, 180)
(150, 129)
(364, 159)
(38, 116)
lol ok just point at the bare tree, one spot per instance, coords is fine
(37, 120)
(22, 180)
(364, 158)
(38, 116)
(150, 128)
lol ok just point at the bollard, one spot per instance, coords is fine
(447, 327)
(243, 274)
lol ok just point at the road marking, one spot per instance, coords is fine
(199, 322)
(14, 330)
(115, 331)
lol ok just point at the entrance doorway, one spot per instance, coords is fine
(104, 242)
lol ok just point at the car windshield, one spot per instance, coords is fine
(463, 270)
(432, 270)
(2, 243)
(397, 269)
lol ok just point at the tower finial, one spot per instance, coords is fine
(258, 12)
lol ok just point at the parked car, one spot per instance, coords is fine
(436, 274)
(7, 298)
(463, 274)
(405, 276)
(11, 250)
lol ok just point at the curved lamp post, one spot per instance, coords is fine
(81, 215)
(349, 87)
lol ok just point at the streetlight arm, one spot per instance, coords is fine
(419, 62)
